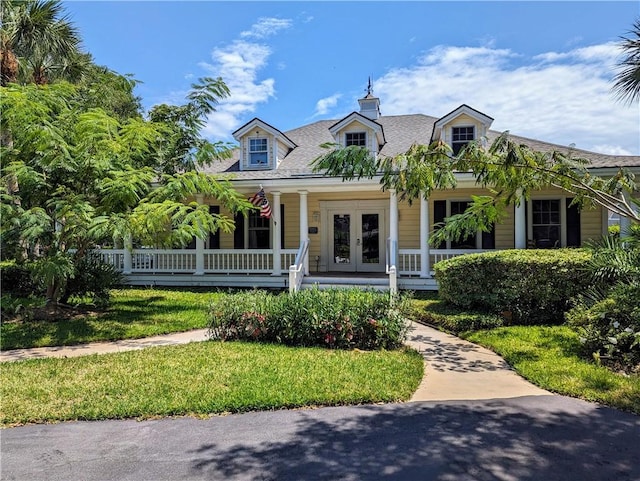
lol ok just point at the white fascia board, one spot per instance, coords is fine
(357, 117)
(451, 116)
(329, 184)
(244, 130)
(464, 109)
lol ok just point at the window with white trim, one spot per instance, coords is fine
(546, 222)
(355, 138)
(258, 230)
(258, 152)
(461, 136)
(480, 240)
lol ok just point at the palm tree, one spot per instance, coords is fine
(38, 43)
(627, 81)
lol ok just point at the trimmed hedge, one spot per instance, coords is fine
(334, 318)
(450, 318)
(526, 286)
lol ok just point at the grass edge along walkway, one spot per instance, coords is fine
(202, 378)
(548, 357)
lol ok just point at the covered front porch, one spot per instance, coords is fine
(254, 269)
(317, 232)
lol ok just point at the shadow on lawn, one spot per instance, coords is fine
(532, 438)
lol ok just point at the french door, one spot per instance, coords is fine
(356, 240)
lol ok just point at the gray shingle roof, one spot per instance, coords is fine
(401, 131)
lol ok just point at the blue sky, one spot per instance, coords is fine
(540, 69)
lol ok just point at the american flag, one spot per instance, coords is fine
(260, 200)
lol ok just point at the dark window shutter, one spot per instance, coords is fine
(439, 214)
(489, 238)
(238, 233)
(573, 225)
(214, 238)
(282, 226)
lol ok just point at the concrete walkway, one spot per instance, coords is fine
(104, 347)
(460, 370)
(454, 369)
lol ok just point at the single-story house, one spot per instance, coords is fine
(323, 230)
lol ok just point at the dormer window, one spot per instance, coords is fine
(258, 152)
(461, 136)
(355, 138)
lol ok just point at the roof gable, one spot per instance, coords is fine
(257, 123)
(464, 109)
(358, 117)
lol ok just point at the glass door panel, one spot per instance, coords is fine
(342, 238)
(370, 242)
(370, 232)
(356, 243)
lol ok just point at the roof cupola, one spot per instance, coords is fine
(369, 104)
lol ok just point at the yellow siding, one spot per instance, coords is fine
(463, 120)
(409, 217)
(292, 220)
(591, 220)
(256, 132)
(591, 224)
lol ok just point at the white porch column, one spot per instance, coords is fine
(199, 246)
(425, 254)
(275, 237)
(127, 260)
(520, 224)
(625, 222)
(393, 216)
(304, 226)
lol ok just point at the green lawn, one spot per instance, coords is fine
(549, 357)
(134, 313)
(201, 379)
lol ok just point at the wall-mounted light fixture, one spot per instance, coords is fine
(315, 216)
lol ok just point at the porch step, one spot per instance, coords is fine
(377, 283)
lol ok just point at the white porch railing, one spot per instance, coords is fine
(392, 269)
(159, 260)
(296, 270)
(409, 260)
(404, 262)
(183, 261)
(115, 257)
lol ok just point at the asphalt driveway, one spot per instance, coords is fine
(527, 438)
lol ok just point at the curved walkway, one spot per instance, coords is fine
(104, 347)
(454, 369)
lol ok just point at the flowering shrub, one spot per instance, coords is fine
(334, 318)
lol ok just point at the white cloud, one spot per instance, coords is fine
(238, 64)
(559, 97)
(611, 149)
(604, 54)
(324, 105)
(266, 27)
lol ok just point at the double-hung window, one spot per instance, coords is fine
(258, 152)
(480, 240)
(554, 223)
(546, 222)
(259, 231)
(461, 136)
(355, 138)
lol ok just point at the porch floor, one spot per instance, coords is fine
(373, 279)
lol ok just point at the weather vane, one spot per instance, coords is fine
(369, 87)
